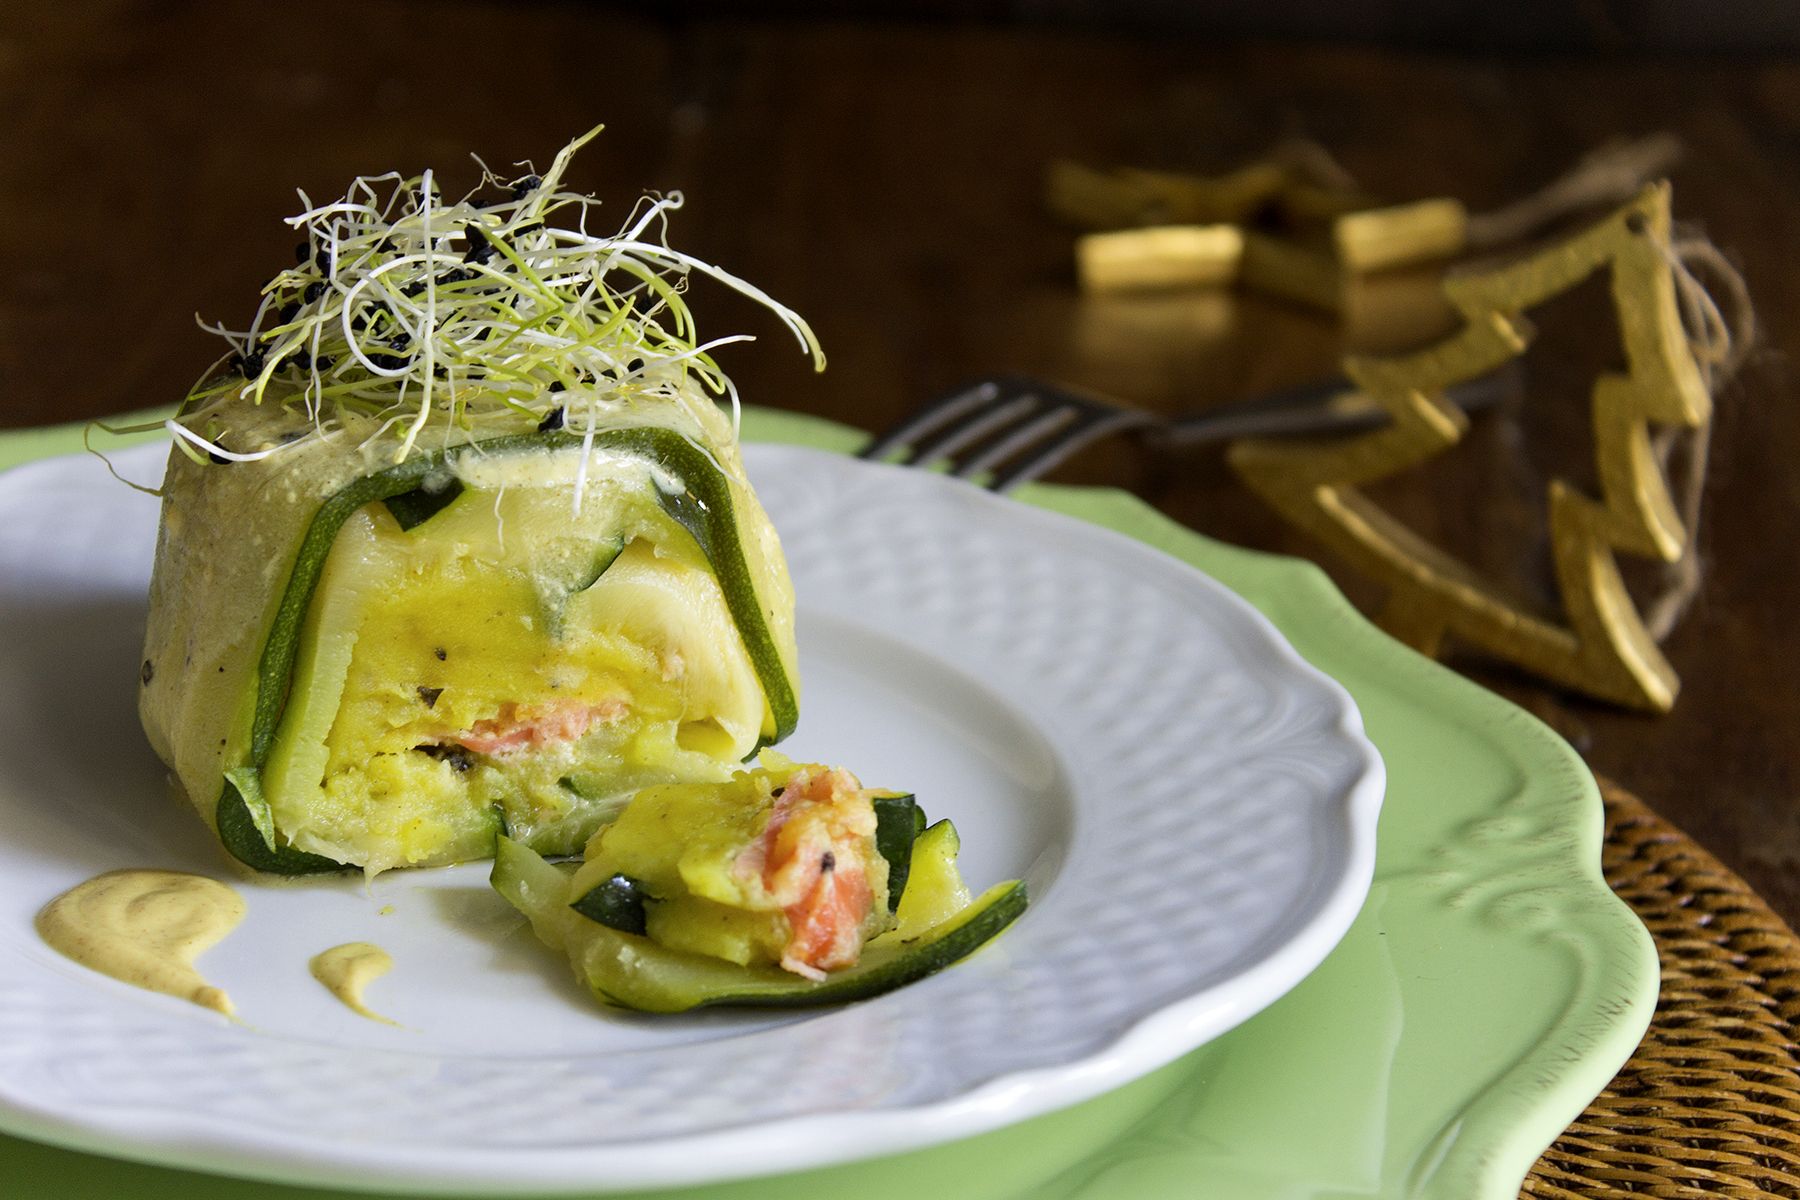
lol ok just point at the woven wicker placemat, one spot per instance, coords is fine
(1709, 1105)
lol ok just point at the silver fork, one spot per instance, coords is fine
(1016, 427)
(1019, 428)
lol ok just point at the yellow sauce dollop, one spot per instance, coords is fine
(145, 928)
(346, 970)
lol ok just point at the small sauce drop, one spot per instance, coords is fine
(346, 970)
(145, 928)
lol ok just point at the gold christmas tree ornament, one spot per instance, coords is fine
(1598, 643)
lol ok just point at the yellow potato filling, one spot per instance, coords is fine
(508, 664)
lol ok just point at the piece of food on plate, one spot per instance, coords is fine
(789, 884)
(458, 541)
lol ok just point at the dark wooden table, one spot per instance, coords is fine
(886, 181)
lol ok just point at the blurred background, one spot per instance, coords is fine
(1683, 26)
(881, 168)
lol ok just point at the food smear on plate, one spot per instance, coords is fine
(456, 537)
(788, 884)
(145, 928)
(348, 970)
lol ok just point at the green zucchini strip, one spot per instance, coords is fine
(424, 502)
(898, 823)
(618, 903)
(637, 973)
(703, 508)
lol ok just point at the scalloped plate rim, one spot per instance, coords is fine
(1584, 1052)
(1520, 1116)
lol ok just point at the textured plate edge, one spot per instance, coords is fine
(1153, 1041)
(1583, 1053)
(1585, 1050)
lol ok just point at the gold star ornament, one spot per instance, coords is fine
(1598, 643)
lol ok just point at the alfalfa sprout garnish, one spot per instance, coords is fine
(419, 312)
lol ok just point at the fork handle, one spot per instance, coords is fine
(1323, 406)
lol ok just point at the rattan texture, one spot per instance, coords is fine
(1709, 1105)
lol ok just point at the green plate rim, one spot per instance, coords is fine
(1157, 1132)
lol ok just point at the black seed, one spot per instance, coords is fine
(323, 258)
(389, 362)
(359, 323)
(552, 421)
(313, 291)
(458, 758)
(441, 653)
(480, 248)
(828, 863)
(298, 358)
(303, 251)
(413, 289)
(148, 673)
(217, 459)
(429, 695)
(524, 187)
(384, 246)
(323, 362)
(250, 364)
(557, 385)
(400, 341)
(288, 312)
(459, 275)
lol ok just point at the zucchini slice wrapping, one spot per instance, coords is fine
(352, 663)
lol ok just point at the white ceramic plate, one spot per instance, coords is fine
(1192, 806)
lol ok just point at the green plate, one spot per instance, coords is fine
(1491, 986)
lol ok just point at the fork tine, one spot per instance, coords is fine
(931, 417)
(1000, 421)
(1090, 426)
(1045, 423)
(1008, 410)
